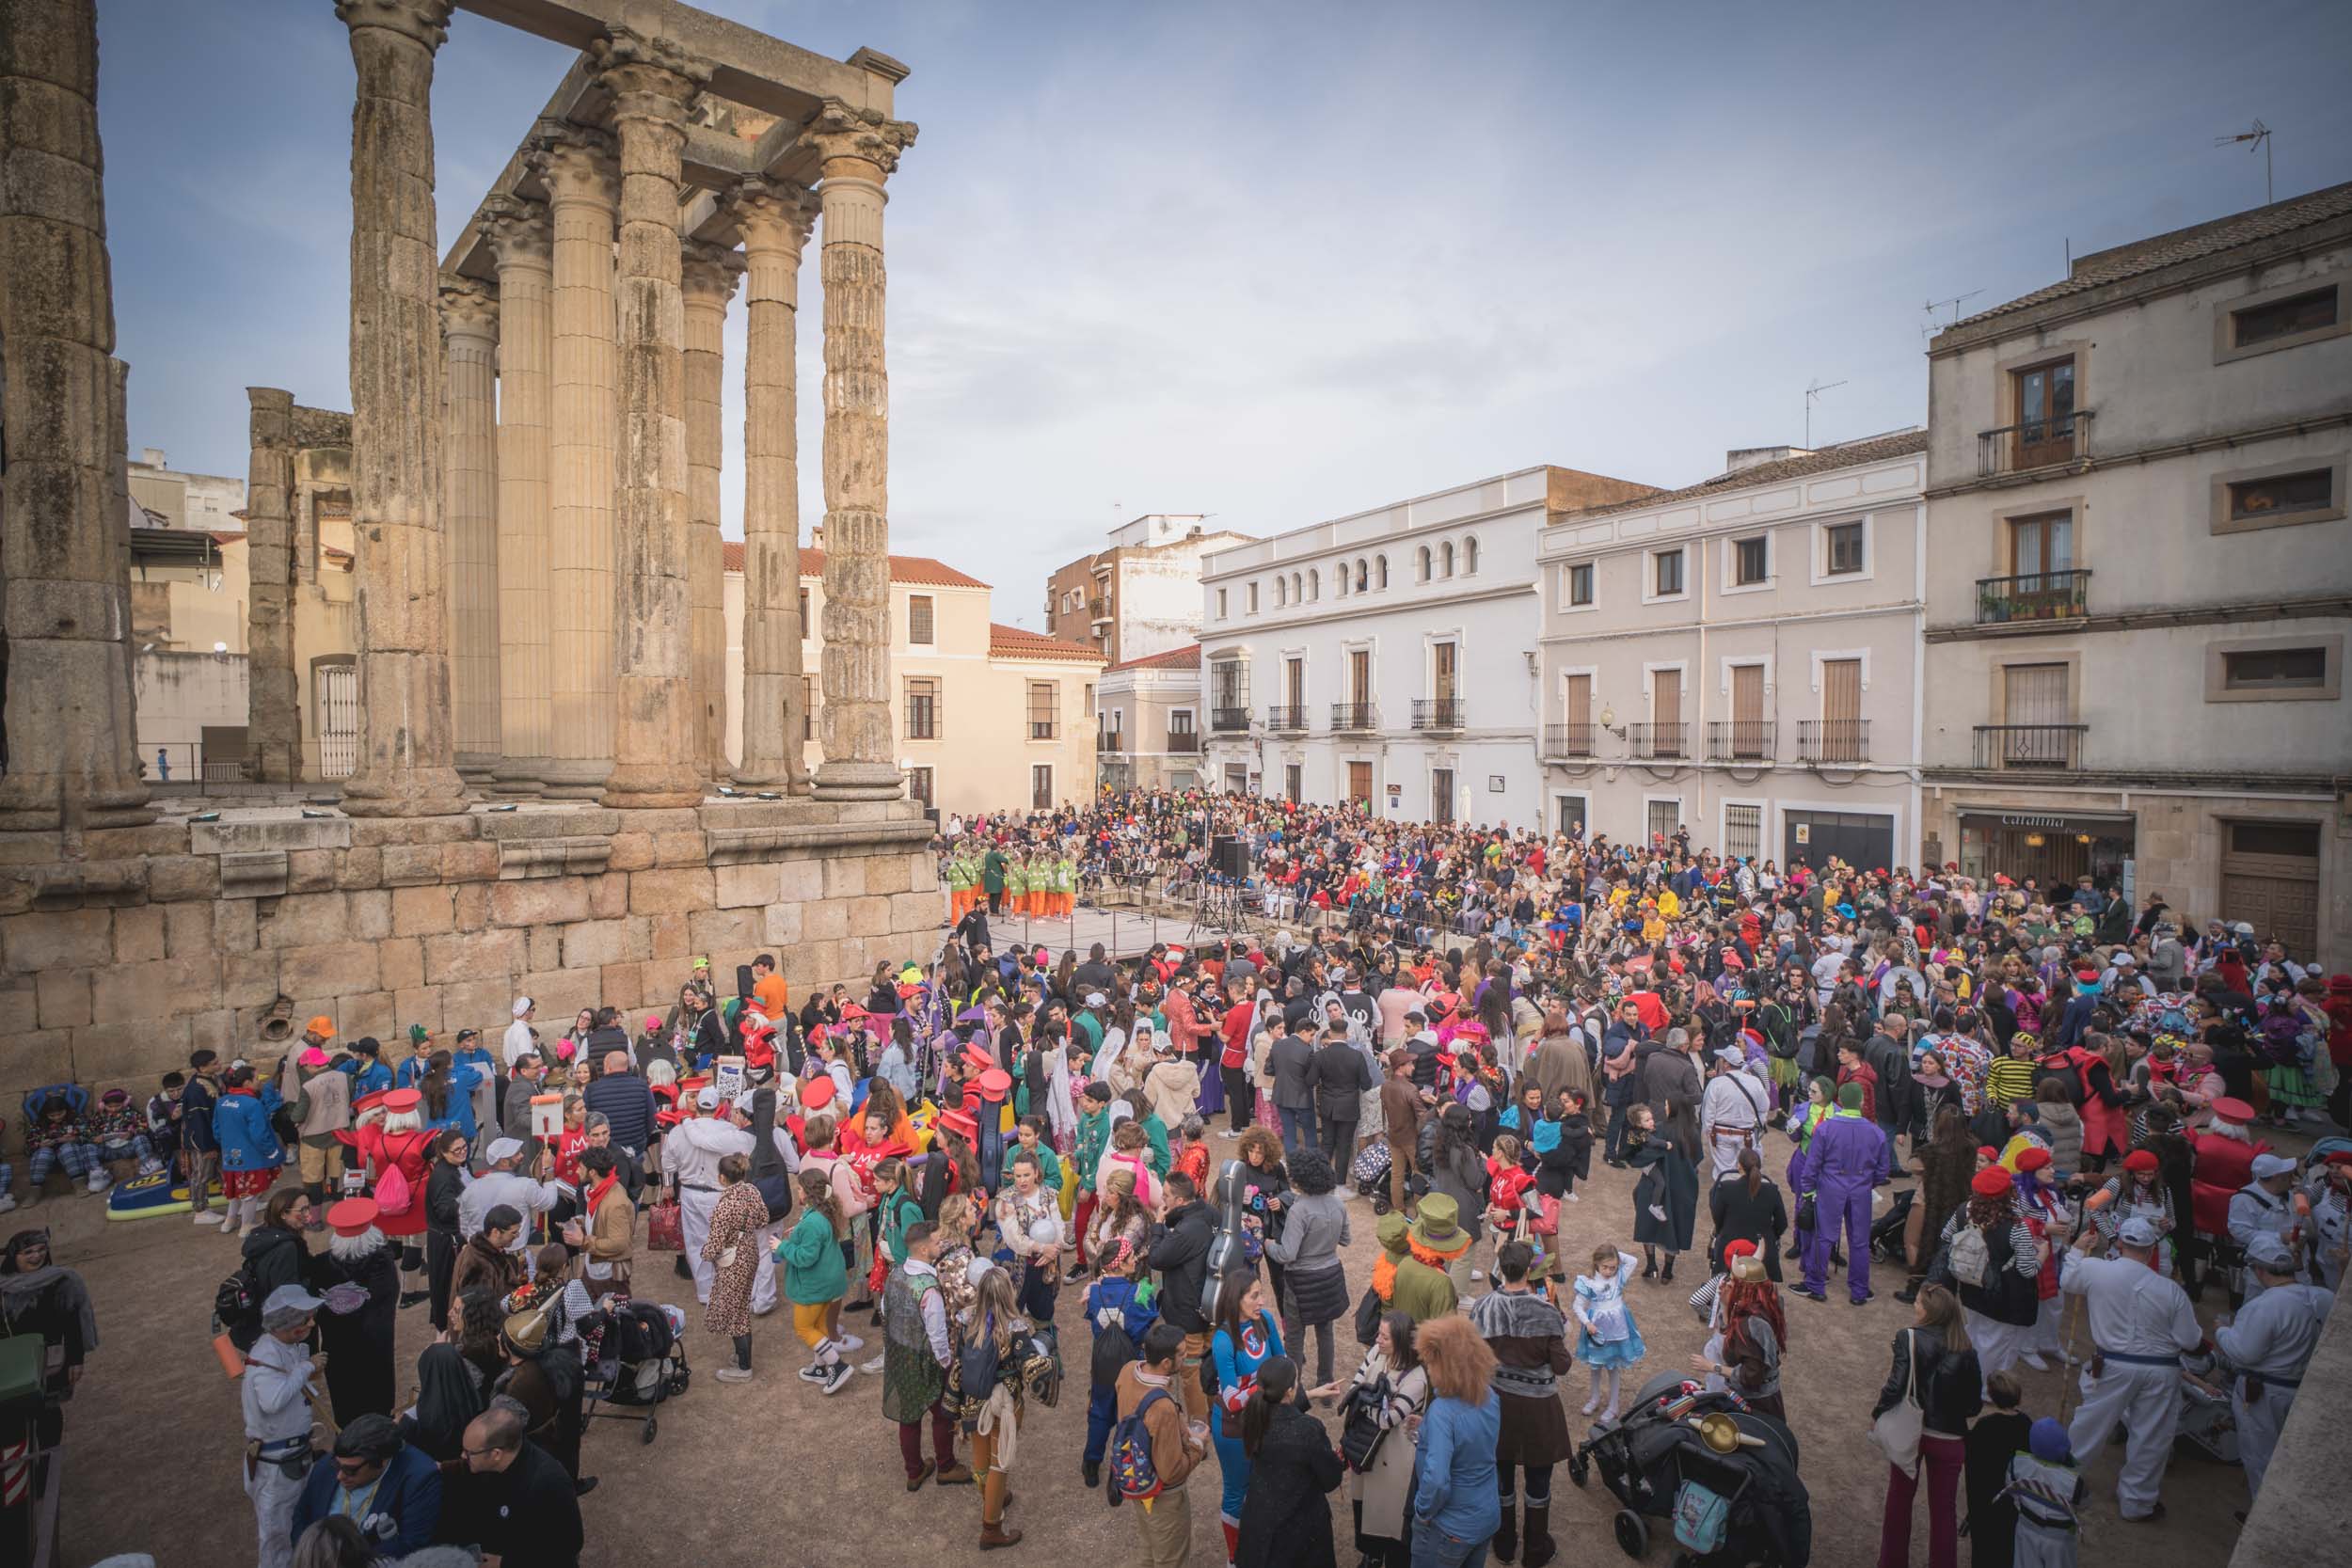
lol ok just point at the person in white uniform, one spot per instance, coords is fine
(2261, 1208)
(2267, 1348)
(520, 1034)
(503, 1183)
(276, 1388)
(690, 1152)
(2330, 1188)
(1731, 1112)
(2141, 1324)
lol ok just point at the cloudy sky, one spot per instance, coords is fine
(1277, 262)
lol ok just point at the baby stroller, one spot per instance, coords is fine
(2207, 1426)
(1370, 1172)
(1748, 1502)
(1887, 1232)
(641, 1363)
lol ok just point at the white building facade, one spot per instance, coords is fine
(1387, 659)
(1740, 659)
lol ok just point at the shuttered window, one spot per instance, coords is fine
(919, 620)
(1041, 714)
(1743, 831)
(1580, 702)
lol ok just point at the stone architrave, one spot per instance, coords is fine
(655, 763)
(273, 703)
(469, 326)
(69, 742)
(407, 744)
(858, 149)
(774, 217)
(576, 167)
(517, 232)
(711, 272)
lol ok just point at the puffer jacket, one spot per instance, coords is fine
(2063, 1126)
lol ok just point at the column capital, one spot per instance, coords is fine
(577, 164)
(518, 230)
(841, 132)
(771, 214)
(649, 77)
(469, 308)
(709, 271)
(425, 21)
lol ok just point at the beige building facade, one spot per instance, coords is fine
(1150, 723)
(1739, 658)
(2140, 578)
(1140, 595)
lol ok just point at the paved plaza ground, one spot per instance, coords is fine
(774, 1473)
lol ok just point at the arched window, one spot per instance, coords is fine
(1445, 559)
(1382, 562)
(1339, 582)
(1470, 558)
(1423, 565)
(1299, 588)
(1315, 583)
(1281, 593)
(1363, 576)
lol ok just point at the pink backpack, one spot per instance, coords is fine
(394, 1195)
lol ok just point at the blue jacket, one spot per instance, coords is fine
(462, 1080)
(197, 1099)
(1454, 1476)
(399, 1517)
(248, 1142)
(1112, 1297)
(368, 1080)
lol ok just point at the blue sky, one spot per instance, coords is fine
(1281, 262)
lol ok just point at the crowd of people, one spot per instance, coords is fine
(2026, 1095)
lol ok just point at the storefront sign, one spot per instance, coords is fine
(1804, 832)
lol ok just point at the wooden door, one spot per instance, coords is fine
(1665, 713)
(1295, 682)
(1444, 685)
(1441, 795)
(1841, 710)
(1747, 711)
(2045, 414)
(1359, 784)
(1360, 675)
(1577, 703)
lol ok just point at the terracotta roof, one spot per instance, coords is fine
(1013, 643)
(2102, 267)
(1875, 449)
(921, 570)
(1186, 658)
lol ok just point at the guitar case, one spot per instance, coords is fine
(1227, 1249)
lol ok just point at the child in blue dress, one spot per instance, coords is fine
(1246, 1336)
(1608, 1339)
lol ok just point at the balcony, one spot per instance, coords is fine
(1043, 729)
(1657, 742)
(1099, 609)
(2012, 449)
(2029, 748)
(1833, 740)
(1740, 739)
(1109, 740)
(1570, 741)
(1354, 717)
(2033, 596)
(1184, 740)
(1437, 713)
(1286, 718)
(1229, 720)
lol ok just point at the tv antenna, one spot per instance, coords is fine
(2260, 136)
(1812, 395)
(1953, 305)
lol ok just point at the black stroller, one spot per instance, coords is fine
(1887, 1231)
(639, 1363)
(1658, 1463)
(1370, 1172)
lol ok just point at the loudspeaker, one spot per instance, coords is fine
(1229, 857)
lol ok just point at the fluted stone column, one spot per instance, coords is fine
(70, 719)
(655, 763)
(577, 168)
(775, 217)
(469, 327)
(517, 232)
(858, 150)
(273, 736)
(711, 272)
(406, 745)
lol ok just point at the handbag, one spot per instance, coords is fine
(665, 1228)
(1896, 1432)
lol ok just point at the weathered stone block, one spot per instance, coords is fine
(171, 878)
(545, 947)
(280, 833)
(608, 896)
(212, 1031)
(672, 936)
(61, 938)
(112, 1050)
(471, 909)
(411, 865)
(710, 930)
(483, 1005)
(478, 955)
(236, 926)
(139, 934)
(738, 886)
(801, 881)
(811, 963)
(423, 912)
(474, 860)
(168, 988)
(372, 1013)
(310, 870)
(631, 851)
(370, 910)
(414, 1005)
(672, 891)
(869, 917)
(248, 979)
(824, 920)
(301, 919)
(402, 961)
(386, 832)
(560, 994)
(624, 986)
(188, 930)
(783, 925)
(61, 998)
(38, 1057)
(598, 942)
(329, 969)
(538, 902)
(678, 847)
(156, 838)
(253, 874)
(845, 878)
(360, 869)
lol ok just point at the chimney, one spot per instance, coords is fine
(817, 534)
(1741, 458)
(152, 457)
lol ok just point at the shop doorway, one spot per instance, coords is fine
(1864, 840)
(2271, 880)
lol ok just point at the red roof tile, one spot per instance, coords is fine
(1185, 658)
(920, 570)
(1013, 643)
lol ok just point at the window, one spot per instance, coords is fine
(1743, 831)
(1470, 558)
(1293, 783)
(919, 620)
(1661, 818)
(1249, 598)
(2274, 668)
(1180, 722)
(1841, 549)
(2295, 840)
(2045, 414)
(1445, 559)
(1422, 566)
(1666, 581)
(2277, 498)
(1041, 787)
(1299, 588)
(1315, 584)
(806, 628)
(1281, 592)
(1579, 584)
(809, 695)
(1339, 582)
(1380, 565)
(1749, 561)
(1363, 576)
(1220, 604)
(1041, 710)
(2291, 317)
(919, 787)
(922, 716)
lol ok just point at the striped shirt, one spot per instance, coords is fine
(2008, 1081)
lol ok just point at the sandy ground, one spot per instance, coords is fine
(774, 1472)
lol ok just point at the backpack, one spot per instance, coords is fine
(2065, 1066)
(395, 1194)
(1132, 1476)
(2282, 1037)
(1114, 1347)
(235, 1304)
(1702, 1518)
(1971, 1257)
(1360, 1432)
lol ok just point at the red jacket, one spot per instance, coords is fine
(2224, 1166)
(1235, 1030)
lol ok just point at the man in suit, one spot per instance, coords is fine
(1342, 1077)
(1292, 1061)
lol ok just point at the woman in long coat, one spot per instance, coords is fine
(1285, 1522)
(1383, 1494)
(733, 1247)
(1665, 1196)
(358, 1273)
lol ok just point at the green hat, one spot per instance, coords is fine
(419, 1033)
(1391, 1231)
(1438, 1229)
(1850, 1096)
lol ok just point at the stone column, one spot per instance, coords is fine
(469, 326)
(68, 731)
(577, 169)
(406, 746)
(655, 763)
(775, 217)
(858, 150)
(274, 699)
(711, 272)
(518, 233)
